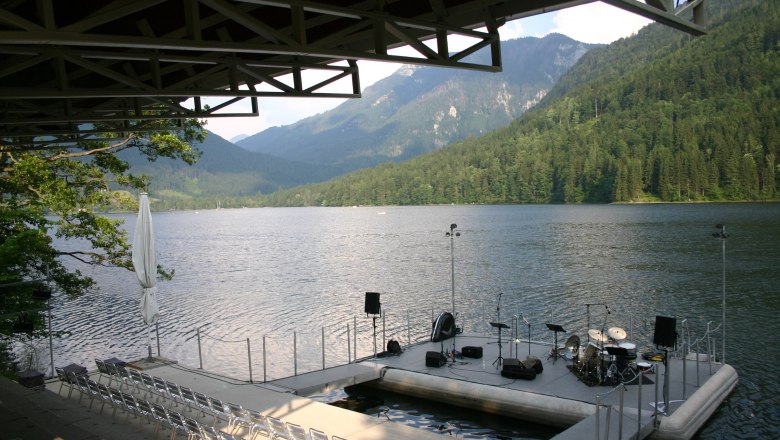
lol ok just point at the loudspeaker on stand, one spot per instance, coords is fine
(665, 331)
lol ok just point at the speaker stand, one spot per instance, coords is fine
(373, 318)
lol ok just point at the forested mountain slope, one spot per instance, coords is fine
(224, 173)
(421, 109)
(659, 116)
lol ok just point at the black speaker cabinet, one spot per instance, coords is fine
(434, 359)
(514, 369)
(472, 352)
(372, 303)
(535, 364)
(665, 331)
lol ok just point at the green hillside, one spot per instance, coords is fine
(662, 116)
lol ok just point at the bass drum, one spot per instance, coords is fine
(592, 357)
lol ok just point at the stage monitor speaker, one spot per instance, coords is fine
(665, 331)
(514, 369)
(372, 303)
(434, 359)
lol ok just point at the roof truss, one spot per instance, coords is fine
(65, 65)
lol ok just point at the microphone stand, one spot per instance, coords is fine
(529, 333)
(601, 343)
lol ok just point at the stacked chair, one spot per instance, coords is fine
(164, 403)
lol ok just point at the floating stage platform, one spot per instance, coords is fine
(555, 397)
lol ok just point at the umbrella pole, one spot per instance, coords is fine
(149, 336)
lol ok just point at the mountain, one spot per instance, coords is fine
(223, 171)
(238, 137)
(661, 116)
(420, 109)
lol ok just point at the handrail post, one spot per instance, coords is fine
(685, 371)
(639, 404)
(323, 347)
(408, 328)
(698, 355)
(384, 342)
(295, 353)
(265, 379)
(620, 420)
(655, 406)
(157, 324)
(354, 336)
(200, 353)
(598, 415)
(249, 356)
(349, 347)
(709, 347)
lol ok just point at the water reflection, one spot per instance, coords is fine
(288, 274)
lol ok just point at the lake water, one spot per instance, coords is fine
(289, 278)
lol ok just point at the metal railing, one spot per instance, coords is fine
(681, 352)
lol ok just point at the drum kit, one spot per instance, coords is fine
(606, 359)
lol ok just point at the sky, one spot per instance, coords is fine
(592, 23)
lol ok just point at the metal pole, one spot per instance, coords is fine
(698, 355)
(514, 336)
(452, 264)
(249, 356)
(620, 419)
(264, 364)
(666, 383)
(709, 347)
(349, 348)
(655, 407)
(723, 342)
(200, 354)
(295, 353)
(157, 329)
(639, 404)
(408, 328)
(354, 336)
(685, 357)
(384, 342)
(51, 341)
(598, 415)
(323, 347)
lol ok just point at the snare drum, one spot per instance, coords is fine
(644, 367)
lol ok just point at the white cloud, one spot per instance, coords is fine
(597, 23)
(591, 23)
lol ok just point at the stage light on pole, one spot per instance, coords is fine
(452, 234)
(722, 236)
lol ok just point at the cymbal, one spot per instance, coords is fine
(617, 333)
(597, 335)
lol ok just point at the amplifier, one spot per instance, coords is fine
(472, 352)
(434, 359)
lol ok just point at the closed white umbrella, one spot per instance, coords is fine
(145, 265)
